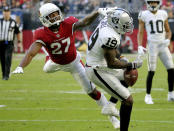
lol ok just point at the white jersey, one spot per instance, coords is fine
(104, 35)
(154, 24)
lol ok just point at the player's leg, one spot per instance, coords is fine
(167, 60)
(51, 67)
(152, 61)
(125, 113)
(113, 86)
(8, 59)
(79, 74)
(2, 58)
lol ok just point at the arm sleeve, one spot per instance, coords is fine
(141, 16)
(165, 15)
(70, 23)
(37, 37)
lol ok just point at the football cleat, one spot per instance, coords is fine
(148, 99)
(109, 109)
(115, 122)
(171, 96)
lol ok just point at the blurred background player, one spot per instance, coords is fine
(8, 29)
(158, 36)
(102, 67)
(57, 37)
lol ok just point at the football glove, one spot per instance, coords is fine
(135, 64)
(124, 59)
(141, 50)
(104, 11)
(18, 70)
(166, 42)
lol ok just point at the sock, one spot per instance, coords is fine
(102, 101)
(170, 79)
(125, 114)
(149, 81)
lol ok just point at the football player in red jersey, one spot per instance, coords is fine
(57, 37)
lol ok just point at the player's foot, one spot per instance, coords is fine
(171, 96)
(109, 109)
(115, 122)
(148, 99)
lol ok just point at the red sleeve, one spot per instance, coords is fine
(70, 21)
(37, 35)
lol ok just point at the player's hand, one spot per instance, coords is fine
(124, 59)
(135, 64)
(18, 70)
(141, 50)
(104, 11)
(166, 42)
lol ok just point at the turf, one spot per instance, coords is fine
(36, 101)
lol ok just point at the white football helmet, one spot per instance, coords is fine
(121, 21)
(44, 12)
(153, 8)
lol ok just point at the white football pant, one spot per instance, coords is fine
(155, 50)
(76, 68)
(109, 80)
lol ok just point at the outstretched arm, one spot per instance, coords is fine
(86, 21)
(33, 50)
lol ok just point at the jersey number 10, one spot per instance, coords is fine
(159, 26)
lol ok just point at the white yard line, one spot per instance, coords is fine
(39, 109)
(134, 90)
(98, 120)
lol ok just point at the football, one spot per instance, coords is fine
(130, 76)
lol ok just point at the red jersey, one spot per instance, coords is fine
(61, 45)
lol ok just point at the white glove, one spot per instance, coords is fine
(18, 70)
(124, 59)
(166, 42)
(104, 11)
(141, 50)
(136, 64)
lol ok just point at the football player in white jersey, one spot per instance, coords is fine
(155, 21)
(103, 68)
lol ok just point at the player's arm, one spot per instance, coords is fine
(167, 29)
(86, 21)
(166, 42)
(141, 49)
(141, 28)
(112, 62)
(33, 50)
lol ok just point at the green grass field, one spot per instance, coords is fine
(36, 101)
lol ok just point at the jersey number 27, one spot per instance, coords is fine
(57, 47)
